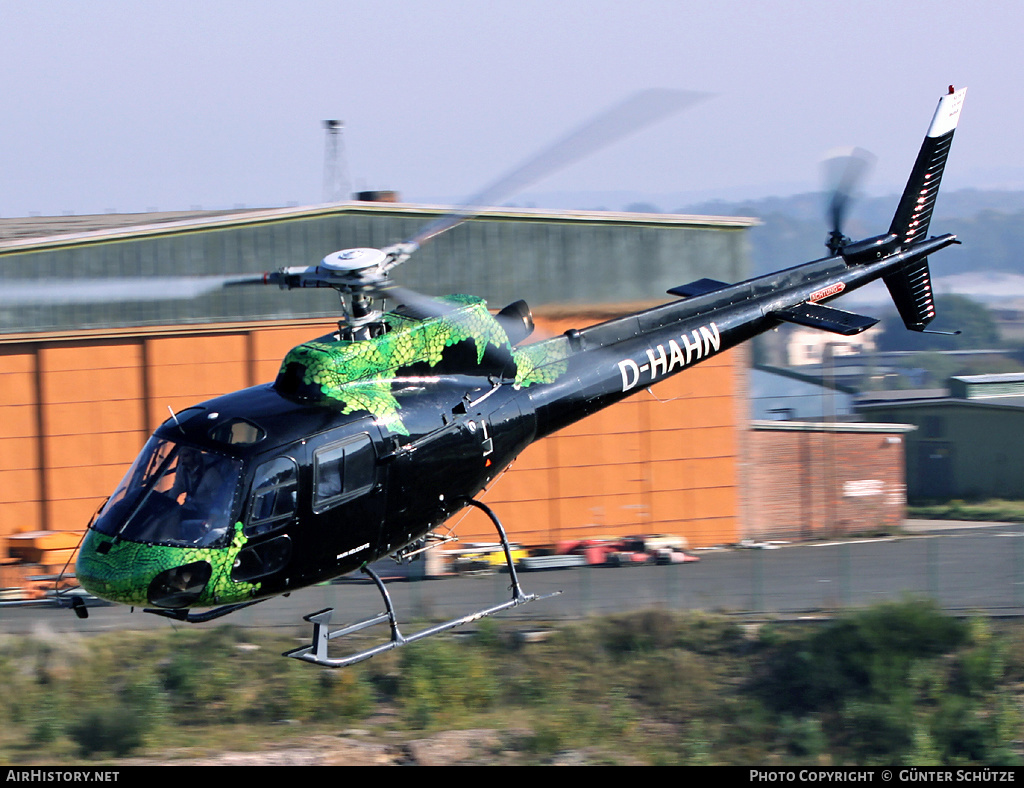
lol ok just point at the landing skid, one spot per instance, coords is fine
(316, 653)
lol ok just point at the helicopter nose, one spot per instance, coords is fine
(109, 570)
(129, 573)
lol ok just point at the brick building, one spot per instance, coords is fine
(810, 480)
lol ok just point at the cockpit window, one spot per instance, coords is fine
(175, 495)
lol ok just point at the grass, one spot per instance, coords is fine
(994, 510)
(897, 683)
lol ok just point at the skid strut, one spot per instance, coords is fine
(316, 653)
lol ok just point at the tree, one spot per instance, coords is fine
(954, 312)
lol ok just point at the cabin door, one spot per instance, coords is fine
(347, 490)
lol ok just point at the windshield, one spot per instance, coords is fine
(173, 494)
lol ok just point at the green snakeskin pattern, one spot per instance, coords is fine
(358, 374)
(541, 362)
(125, 572)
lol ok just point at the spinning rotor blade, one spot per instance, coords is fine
(362, 270)
(843, 175)
(623, 119)
(418, 301)
(112, 290)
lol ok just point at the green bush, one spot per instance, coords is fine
(442, 679)
(110, 729)
(865, 655)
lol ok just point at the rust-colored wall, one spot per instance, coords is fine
(93, 424)
(74, 412)
(184, 370)
(20, 493)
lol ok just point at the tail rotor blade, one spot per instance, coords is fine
(844, 172)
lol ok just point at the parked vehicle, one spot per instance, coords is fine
(629, 551)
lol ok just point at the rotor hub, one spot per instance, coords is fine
(348, 261)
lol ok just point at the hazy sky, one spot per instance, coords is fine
(131, 105)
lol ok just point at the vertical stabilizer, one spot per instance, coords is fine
(914, 213)
(911, 287)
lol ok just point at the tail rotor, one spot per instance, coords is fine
(844, 172)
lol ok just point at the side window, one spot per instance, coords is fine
(342, 471)
(274, 496)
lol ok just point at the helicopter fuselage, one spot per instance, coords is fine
(337, 465)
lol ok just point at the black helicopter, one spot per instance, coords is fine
(373, 436)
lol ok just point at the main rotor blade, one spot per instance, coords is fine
(113, 290)
(424, 305)
(623, 119)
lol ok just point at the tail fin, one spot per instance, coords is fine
(911, 287)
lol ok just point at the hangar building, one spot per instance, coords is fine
(966, 445)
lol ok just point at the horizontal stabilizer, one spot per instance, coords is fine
(911, 291)
(827, 318)
(697, 288)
